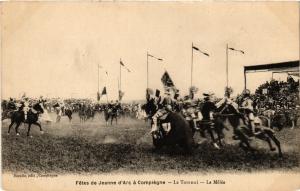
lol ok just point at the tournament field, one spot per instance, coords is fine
(92, 147)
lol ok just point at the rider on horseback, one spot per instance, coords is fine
(192, 112)
(11, 105)
(247, 106)
(164, 107)
(208, 107)
(25, 106)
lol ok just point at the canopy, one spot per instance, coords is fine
(290, 67)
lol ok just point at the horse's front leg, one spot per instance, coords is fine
(266, 138)
(293, 124)
(276, 141)
(11, 124)
(209, 129)
(17, 128)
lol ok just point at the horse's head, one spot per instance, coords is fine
(150, 107)
(38, 108)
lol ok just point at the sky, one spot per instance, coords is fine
(53, 49)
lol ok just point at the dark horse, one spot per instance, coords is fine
(181, 133)
(242, 131)
(18, 117)
(111, 113)
(68, 113)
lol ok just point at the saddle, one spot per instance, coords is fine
(164, 127)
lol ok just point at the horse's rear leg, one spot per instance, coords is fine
(276, 141)
(17, 128)
(268, 140)
(28, 131)
(39, 125)
(244, 140)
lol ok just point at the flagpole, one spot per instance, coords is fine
(226, 65)
(192, 66)
(98, 77)
(147, 71)
(98, 93)
(120, 75)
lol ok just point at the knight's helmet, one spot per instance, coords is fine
(228, 91)
(208, 95)
(246, 92)
(149, 93)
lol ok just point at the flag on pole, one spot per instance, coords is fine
(196, 48)
(166, 80)
(168, 83)
(104, 91)
(122, 64)
(160, 59)
(192, 91)
(98, 96)
(121, 94)
(237, 50)
(157, 93)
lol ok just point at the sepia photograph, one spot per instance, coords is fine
(150, 95)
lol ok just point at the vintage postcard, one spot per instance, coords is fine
(182, 95)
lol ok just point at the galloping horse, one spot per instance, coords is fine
(181, 133)
(243, 133)
(32, 117)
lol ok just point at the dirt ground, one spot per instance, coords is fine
(92, 147)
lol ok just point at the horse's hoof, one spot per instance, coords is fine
(31, 136)
(18, 134)
(216, 145)
(8, 134)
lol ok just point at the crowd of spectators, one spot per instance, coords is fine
(279, 97)
(277, 94)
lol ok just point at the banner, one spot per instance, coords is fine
(98, 96)
(121, 94)
(167, 81)
(104, 91)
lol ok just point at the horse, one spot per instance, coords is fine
(68, 113)
(211, 127)
(90, 113)
(181, 133)
(243, 133)
(7, 110)
(32, 118)
(6, 114)
(111, 113)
